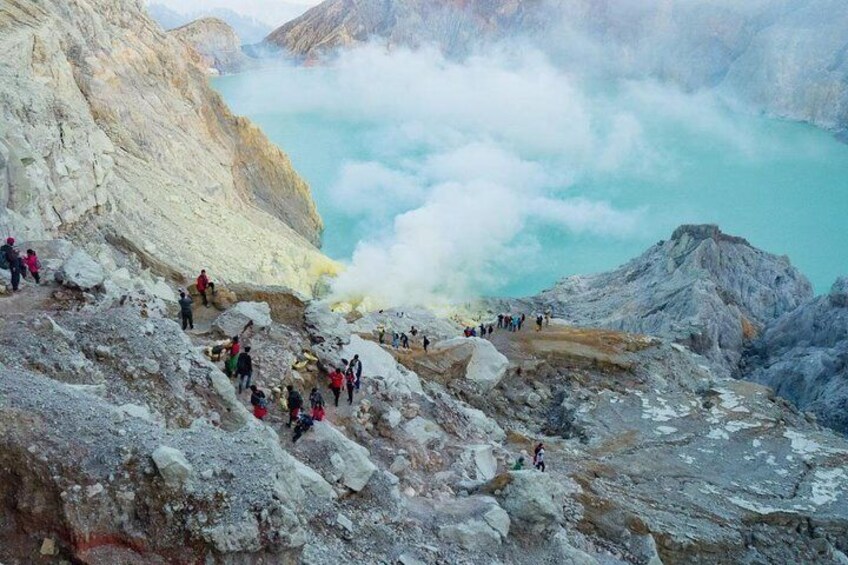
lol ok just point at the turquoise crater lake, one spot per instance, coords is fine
(781, 185)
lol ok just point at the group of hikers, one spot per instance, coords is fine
(538, 459)
(203, 285)
(509, 322)
(402, 340)
(19, 265)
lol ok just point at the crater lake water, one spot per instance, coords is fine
(781, 185)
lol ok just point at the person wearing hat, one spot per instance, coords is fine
(13, 259)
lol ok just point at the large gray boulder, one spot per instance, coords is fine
(172, 465)
(803, 356)
(340, 460)
(80, 271)
(233, 321)
(484, 366)
(475, 523)
(702, 288)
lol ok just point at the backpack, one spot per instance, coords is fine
(263, 402)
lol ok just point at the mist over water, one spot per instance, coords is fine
(441, 180)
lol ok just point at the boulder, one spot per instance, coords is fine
(233, 321)
(423, 431)
(474, 523)
(80, 271)
(378, 364)
(533, 500)
(484, 462)
(172, 465)
(484, 366)
(350, 463)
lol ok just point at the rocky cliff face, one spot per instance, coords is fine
(452, 24)
(108, 128)
(702, 288)
(804, 357)
(217, 46)
(785, 57)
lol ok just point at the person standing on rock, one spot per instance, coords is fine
(426, 344)
(244, 370)
(33, 265)
(13, 260)
(186, 312)
(232, 360)
(259, 402)
(350, 380)
(356, 365)
(539, 457)
(295, 402)
(202, 285)
(336, 383)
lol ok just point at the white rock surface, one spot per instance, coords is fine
(377, 363)
(486, 366)
(355, 466)
(80, 271)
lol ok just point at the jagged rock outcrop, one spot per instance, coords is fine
(110, 131)
(343, 23)
(702, 288)
(217, 46)
(803, 356)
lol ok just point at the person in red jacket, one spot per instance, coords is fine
(33, 265)
(202, 285)
(336, 383)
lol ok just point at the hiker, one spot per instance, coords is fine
(519, 464)
(295, 402)
(404, 339)
(258, 400)
(426, 344)
(395, 340)
(491, 329)
(350, 381)
(185, 311)
(203, 284)
(318, 413)
(244, 369)
(539, 321)
(12, 260)
(304, 423)
(33, 265)
(500, 321)
(336, 382)
(548, 315)
(539, 458)
(413, 331)
(381, 335)
(521, 321)
(482, 330)
(315, 398)
(356, 365)
(235, 351)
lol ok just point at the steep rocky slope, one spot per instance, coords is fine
(216, 43)
(108, 127)
(121, 443)
(786, 57)
(804, 357)
(702, 288)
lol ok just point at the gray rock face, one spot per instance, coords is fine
(172, 465)
(216, 44)
(803, 356)
(704, 289)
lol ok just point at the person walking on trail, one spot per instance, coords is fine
(317, 403)
(482, 330)
(539, 322)
(244, 370)
(356, 366)
(519, 464)
(336, 383)
(426, 344)
(33, 265)
(259, 402)
(12, 259)
(350, 381)
(539, 458)
(491, 329)
(404, 339)
(395, 340)
(186, 312)
(381, 335)
(303, 425)
(548, 315)
(521, 321)
(295, 402)
(232, 360)
(202, 285)
(500, 321)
